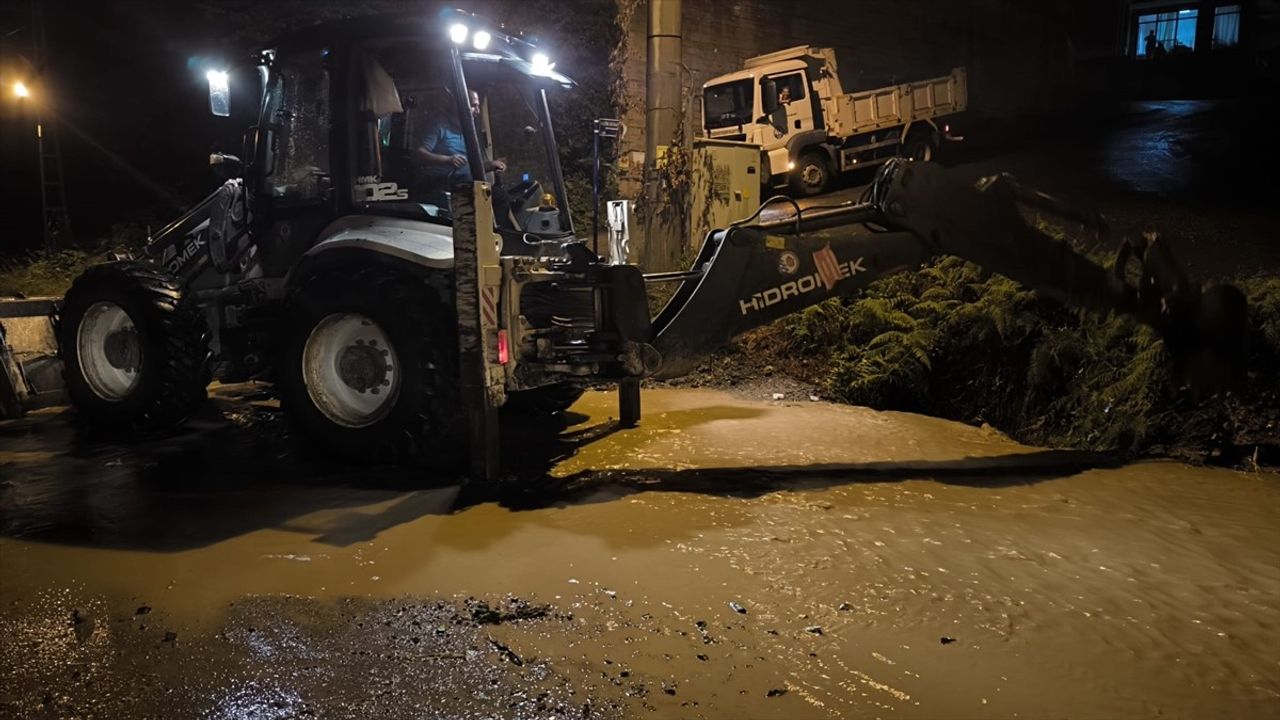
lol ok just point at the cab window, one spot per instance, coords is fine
(299, 110)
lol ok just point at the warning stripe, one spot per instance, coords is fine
(828, 267)
(489, 306)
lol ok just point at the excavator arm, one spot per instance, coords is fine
(757, 271)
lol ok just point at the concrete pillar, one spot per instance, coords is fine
(663, 91)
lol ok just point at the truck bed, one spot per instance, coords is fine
(899, 104)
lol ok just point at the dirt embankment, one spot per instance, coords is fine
(953, 341)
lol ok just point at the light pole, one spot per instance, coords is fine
(22, 92)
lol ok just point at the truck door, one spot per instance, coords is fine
(793, 99)
(793, 117)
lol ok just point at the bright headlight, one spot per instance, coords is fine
(541, 63)
(458, 33)
(481, 40)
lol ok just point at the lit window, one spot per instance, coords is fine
(1226, 26)
(1166, 33)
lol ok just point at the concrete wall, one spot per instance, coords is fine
(1017, 51)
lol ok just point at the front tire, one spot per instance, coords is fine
(368, 368)
(812, 175)
(135, 358)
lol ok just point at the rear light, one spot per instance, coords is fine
(504, 351)
(946, 129)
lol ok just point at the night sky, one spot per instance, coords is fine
(135, 129)
(127, 81)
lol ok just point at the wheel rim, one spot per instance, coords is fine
(351, 370)
(812, 175)
(922, 152)
(109, 351)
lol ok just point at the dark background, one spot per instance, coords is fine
(126, 80)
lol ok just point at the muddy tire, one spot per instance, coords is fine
(812, 174)
(367, 368)
(544, 400)
(135, 358)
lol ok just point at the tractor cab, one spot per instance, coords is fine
(386, 116)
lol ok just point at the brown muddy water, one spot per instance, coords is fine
(730, 558)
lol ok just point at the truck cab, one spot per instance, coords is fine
(738, 107)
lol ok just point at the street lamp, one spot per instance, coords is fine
(20, 89)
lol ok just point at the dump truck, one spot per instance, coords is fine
(398, 301)
(809, 130)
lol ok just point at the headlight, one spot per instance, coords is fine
(458, 33)
(481, 40)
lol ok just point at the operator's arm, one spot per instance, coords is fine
(435, 150)
(425, 155)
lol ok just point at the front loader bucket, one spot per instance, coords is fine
(30, 371)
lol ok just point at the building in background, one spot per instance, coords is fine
(1163, 49)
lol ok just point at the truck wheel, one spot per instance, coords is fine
(135, 358)
(368, 368)
(544, 400)
(919, 147)
(812, 174)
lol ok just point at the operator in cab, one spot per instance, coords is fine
(444, 148)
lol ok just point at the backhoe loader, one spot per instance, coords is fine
(397, 302)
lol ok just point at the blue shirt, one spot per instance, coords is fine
(443, 137)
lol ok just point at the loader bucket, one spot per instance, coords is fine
(30, 371)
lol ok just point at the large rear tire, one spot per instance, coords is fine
(920, 146)
(368, 368)
(135, 358)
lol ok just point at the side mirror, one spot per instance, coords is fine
(226, 166)
(769, 96)
(219, 93)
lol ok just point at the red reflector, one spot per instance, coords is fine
(946, 129)
(504, 353)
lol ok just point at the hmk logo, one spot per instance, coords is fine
(830, 271)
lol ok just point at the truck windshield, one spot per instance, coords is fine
(728, 104)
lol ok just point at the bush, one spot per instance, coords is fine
(41, 273)
(954, 341)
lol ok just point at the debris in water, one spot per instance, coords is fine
(844, 606)
(737, 607)
(779, 396)
(170, 636)
(947, 640)
(813, 398)
(506, 652)
(815, 629)
(142, 610)
(776, 692)
(516, 609)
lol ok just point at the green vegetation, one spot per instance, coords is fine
(953, 341)
(42, 273)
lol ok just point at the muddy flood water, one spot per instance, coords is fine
(730, 558)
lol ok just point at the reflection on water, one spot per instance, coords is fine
(1166, 148)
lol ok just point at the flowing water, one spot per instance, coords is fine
(729, 558)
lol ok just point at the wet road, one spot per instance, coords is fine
(731, 557)
(1182, 167)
